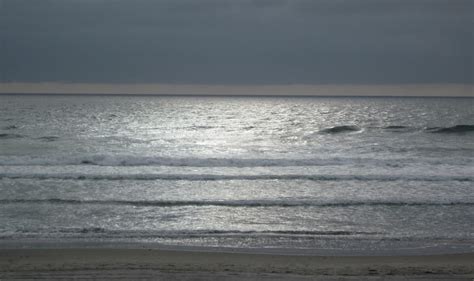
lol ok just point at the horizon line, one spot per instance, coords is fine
(290, 90)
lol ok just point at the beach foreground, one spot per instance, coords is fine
(193, 265)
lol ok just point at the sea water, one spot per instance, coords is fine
(308, 175)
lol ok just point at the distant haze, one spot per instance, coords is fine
(455, 90)
(285, 45)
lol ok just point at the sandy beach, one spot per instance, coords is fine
(133, 264)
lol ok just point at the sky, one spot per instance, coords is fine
(236, 42)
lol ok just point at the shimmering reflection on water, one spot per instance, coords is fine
(251, 172)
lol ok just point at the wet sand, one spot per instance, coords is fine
(133, 264)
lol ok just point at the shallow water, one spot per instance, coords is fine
(313, 174)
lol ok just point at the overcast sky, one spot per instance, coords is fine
(237, 42)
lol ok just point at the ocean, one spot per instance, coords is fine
(346, 175)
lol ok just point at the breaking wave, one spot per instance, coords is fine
(143, 160)
(129, 160)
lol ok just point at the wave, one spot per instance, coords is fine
(273, 232)
(396, 127)
(453, 129)
(203, 162)
(190, 233)
(10, 136)
(48, 138)
(400, 129)
(236, 203)
(129, 160)
(341, 129)
(10, 127)
(133, 161)
(213, 177)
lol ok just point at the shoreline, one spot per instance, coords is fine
(329, 247)
(100, 262)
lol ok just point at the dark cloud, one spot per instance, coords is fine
(237, 42)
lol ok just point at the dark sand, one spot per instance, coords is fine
(139, 264)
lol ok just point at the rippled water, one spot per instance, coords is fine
(287, 173)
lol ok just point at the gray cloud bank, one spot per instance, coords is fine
(237, 41)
